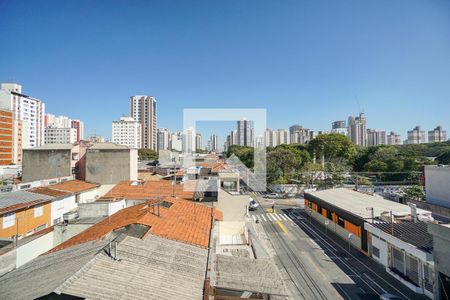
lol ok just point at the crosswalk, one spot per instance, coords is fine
(274, 217)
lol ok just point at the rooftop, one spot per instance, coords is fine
(137, 190)
(414, 233)
(53, 147)
(14, 200)
(244, 274)
(49, 191)
(178, 220)
(107, 146)
(75, 186)
(358, 203)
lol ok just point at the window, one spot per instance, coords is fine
(38, 210)
(341, 222)
(329, 215)
(319, 209)
(375, 251)
(9, 220)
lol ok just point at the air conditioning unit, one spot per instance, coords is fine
(70, 216)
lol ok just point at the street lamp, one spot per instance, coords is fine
(327, 222)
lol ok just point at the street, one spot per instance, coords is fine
(321, 266)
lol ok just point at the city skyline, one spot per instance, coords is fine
(301, 72)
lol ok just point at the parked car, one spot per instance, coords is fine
(272, 196)
(252, 204)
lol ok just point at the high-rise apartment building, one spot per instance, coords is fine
(416, 136)
(245, 133)
(6, 137)
(282, 137)
(299, 135)
(394, 139)
(55, 135)
(176, 141)
(269, 138)
(143, 110)
(62, 128)
(357, 130)
(127, 131)
(438, 134)
(376, 137)
(339, 127)
(198, 141)
(163, 139)
(188, 140)
(213, 144)
(79, 127)
(28, 110)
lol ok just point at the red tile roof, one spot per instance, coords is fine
(183, 221)
(147, 190)
(49, 191)
(75, 186)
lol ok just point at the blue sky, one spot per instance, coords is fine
(307, 62)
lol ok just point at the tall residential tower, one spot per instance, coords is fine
(143, 110)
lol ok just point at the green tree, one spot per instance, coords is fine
(376, 166)
(244, 153)
(335, 147)
(281, 165)
(415, 192)
(147, 154)
(444, 158)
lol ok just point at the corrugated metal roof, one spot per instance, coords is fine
(45, 273)
(21, 197)
(153, 268)
(413, 233)
(245, 274)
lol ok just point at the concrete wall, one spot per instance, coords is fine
(64, 232)
(100, 208)
(232, 206)
(46, 164)
(436, 184)
(34, 248)
(7, 262)
(107, 166)
(60, 207)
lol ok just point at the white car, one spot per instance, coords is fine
(272, 196)
(252, 204)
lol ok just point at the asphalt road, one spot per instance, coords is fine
(320, 266)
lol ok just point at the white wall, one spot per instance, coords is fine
(34, 248)
(436, 183)
(60, 207)
(133, 164)
(383, 247)
(233, 207)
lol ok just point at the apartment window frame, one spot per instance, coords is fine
(9, 220)
(38, 211)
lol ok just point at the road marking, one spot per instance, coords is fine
(277, 217)
(264, 218)
(376, 284)
(254, 217)
(283, 217)
(281, 226)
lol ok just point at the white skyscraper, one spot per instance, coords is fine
(28, 110)
(176, 141)
(245, 133)
(437, 135)
(376, 137)
(357, 130)
(163, 139)
(416, 136)
(282, 137)
(62, 122)
(269, 138)
(143, 110)
(394, 139)
(127, 132)
(213, 143)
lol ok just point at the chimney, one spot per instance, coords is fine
(413, 211)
